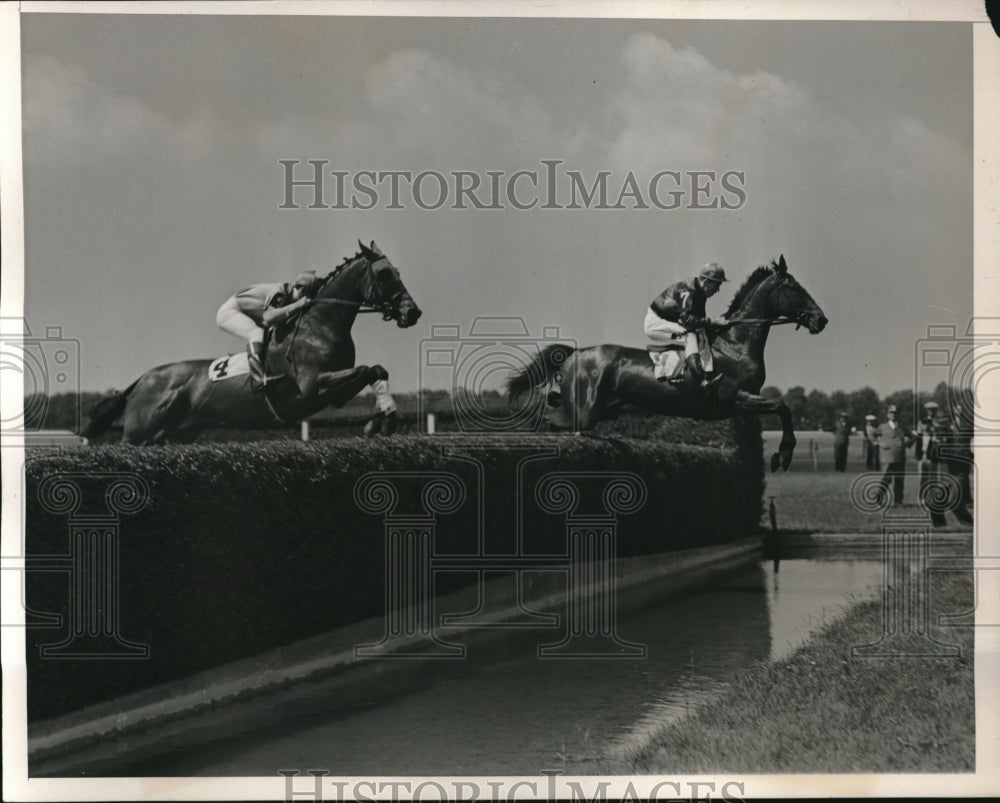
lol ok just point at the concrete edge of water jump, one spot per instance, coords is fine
(790, 545)
(639, 581)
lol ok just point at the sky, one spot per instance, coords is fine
(153, 183)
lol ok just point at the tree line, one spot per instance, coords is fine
(71, 411)
(812, 410)
(817, 410)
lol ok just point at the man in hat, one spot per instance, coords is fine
(679, 311)
(249, 312)
(956, 454)
(872, 461)
(894, 439)
(841, 433)
(928, 458)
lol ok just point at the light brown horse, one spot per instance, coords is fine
(312, 357)
(596, 382)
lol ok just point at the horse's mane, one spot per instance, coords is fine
(325, 281)
(749, 284)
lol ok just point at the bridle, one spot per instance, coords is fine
(389, 307)
(781, 281)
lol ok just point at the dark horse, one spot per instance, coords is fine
(596, 382)
(311, 356)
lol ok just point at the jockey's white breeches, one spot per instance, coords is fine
(234, 321)
(663, 331)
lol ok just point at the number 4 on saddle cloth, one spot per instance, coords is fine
(238, 365)
(229, 366)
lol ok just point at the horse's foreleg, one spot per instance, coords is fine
(384, 420)
(751, 404)
(339, 387)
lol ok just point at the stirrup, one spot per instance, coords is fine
(711, 383)
(258, 374)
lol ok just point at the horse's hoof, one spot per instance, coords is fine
(374, 426)
(390, 424)
(775, 462)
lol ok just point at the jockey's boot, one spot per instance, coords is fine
(698, 378)
(695, 375)
(255, 356)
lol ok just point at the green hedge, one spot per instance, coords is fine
(349, 424)
(243, 547)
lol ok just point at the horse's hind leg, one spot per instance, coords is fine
(750, 404)
(159, 423)
(185, 435)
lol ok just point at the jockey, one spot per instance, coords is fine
(261, 306)
(680, 310)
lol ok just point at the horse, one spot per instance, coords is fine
(596, 382)
(309, 363)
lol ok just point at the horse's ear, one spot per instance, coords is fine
(375, 249)
(782, 266)
(364, 249)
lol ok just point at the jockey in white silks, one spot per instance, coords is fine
(679, 311)
(249, 312)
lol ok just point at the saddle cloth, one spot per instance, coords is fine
(668, 358)
(228, 366)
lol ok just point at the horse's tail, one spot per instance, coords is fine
(546, 365)
(107, 411)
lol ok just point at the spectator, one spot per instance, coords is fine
(872, 461)
(841, 433)
(956, 452)
(894, 439)
(928, 454)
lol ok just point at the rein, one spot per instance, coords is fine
(800, 321)
(346, 303)
(362, 307)
(772, 321)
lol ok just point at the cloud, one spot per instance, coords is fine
(63, 107)
(449, 112)
(68, 118)
(678, 107)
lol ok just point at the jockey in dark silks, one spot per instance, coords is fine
(680, 311)
(249, 312)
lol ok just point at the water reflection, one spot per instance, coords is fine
(804, 595)
(505, 712)
(801, 597)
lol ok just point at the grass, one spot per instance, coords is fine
(812, 497)
(821, 502)
(823, 710)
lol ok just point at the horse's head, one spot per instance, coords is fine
(772, 292)
(386, 291)
(371, 280)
